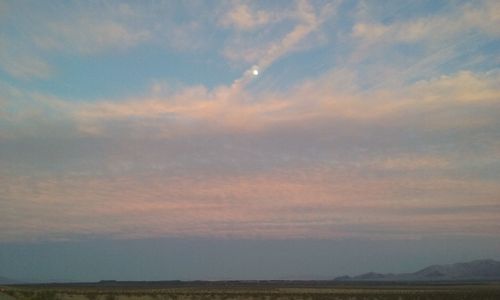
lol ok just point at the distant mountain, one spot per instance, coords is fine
(371, 276)
(485, 269)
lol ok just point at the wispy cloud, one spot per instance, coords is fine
(230, 109)
(242, 17)
(314, 185)
(306, 20)
(480, 17)
(389, 129)
(89, 35)
(272, 205)
(25, 48)
(431, 42)
(19, 63)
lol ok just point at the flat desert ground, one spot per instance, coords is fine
(487, 291)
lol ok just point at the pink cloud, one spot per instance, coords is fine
(242, 17)
(316, 203)
(333, 96)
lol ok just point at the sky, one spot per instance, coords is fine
(247, 139)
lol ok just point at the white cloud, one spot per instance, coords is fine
(369, 31)
(87, 31)
(390, 51)
(228, 161)
(90, 35)
(333, 96)
(19, 63)
(483, 16)
(307, 19)
(242, 17)
(26, 66)
(189, 187)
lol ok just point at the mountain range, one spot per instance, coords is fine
(485, 269)
(477, 270)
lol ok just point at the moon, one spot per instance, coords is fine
(255, 72)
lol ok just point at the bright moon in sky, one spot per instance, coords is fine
(255, 72)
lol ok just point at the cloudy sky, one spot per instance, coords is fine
(324, 124)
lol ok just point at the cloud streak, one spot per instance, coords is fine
(264, 206)
(231, 109)
(19, 64)
(307, 19)
(306, 185)
(361, 123)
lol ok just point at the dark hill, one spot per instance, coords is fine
(485, 269)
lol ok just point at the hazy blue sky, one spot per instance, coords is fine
(202, 138)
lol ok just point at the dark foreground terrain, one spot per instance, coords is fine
(253, 290)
